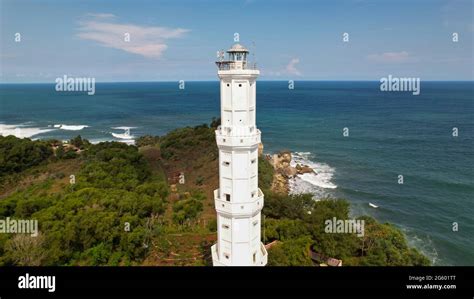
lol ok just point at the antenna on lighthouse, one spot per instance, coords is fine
(220, 55)
(254, 49)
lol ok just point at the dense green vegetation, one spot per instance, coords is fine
(291, 253)
(186, 210)
(200, 138)
(147, 140)
(265, 174)
(80, 143)
(110, 213)
(105, 218)
(114, 165)
(17, 154)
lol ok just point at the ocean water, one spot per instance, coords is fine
(390, 134)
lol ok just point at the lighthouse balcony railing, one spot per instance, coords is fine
(247, 207)
(238, 131)
(228, 65)
(217, 193)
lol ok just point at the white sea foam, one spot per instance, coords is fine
(21, 131)
(70, 127)
(318, 182)
(322, 179)
(425, 244)
(123, 136)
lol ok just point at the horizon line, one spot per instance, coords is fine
(177, 81)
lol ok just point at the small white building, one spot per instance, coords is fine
(238, 200)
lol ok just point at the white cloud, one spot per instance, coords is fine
(147, 41)
(391, 57)
(291, 67)
(101, 15)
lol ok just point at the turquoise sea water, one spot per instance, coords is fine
(390, 134)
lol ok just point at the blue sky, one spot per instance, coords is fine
(178, 40)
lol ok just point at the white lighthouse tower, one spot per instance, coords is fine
(238, 200)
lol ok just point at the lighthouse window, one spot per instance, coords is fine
(225, 226)
(226, 163)
(240, 85)
(227, 84)
(255, 223)
(253, 194)
(226, 255)
(254, 257)
(253, 161)
(227, 197)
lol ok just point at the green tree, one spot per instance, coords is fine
(293, 252)
(18, 154)
(186, 210)
(265, 174)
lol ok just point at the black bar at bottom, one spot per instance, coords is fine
(291, 282)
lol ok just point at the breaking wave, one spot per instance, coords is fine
(319, 182)
(70, 127)
(124, 137)
(21, 131)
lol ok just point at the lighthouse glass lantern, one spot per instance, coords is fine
(238, 201)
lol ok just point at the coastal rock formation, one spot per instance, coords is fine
(281, 162)
(280, 184)
(300, 169)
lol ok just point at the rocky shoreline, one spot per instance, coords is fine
(284, 171)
